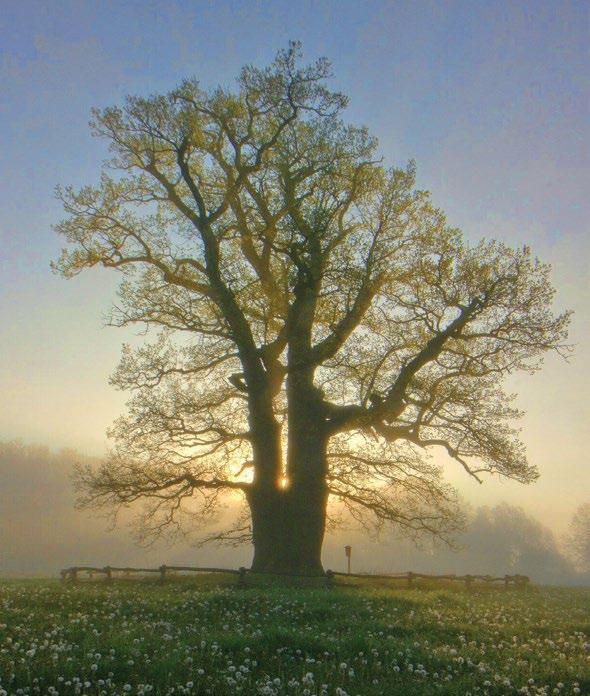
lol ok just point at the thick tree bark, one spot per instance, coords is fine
(289, 516)
(288, 530)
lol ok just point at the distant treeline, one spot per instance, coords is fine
(42, 532)
(499, 539)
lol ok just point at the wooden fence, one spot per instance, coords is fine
(72, 575)
(469, 580)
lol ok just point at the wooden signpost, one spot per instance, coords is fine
(348, 552)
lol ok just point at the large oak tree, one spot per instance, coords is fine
(319, 326)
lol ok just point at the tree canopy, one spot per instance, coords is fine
(302, 293)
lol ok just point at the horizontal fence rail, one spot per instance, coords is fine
(72, 575)
(519, 580)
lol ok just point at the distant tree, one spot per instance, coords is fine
(505, 539)
(497, 540)
(578, 537)
(321, 325)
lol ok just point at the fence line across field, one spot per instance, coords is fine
(71, 574)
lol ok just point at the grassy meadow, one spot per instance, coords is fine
(208, 636)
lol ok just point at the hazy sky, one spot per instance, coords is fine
(490, 98)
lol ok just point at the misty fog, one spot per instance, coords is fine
(42, 532)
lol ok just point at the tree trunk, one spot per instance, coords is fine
(289, 517)
(288, 530)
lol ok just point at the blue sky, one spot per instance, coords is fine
(490, 98)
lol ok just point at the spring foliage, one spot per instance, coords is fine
(261, 236)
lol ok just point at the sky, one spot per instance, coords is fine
(489, 98)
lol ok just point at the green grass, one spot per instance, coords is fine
(208, 636)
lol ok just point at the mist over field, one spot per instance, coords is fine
(41, 532)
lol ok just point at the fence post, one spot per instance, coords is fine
(109, 573)
(242, 577)
(410, 579)
(330, 578)
(162, 574)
